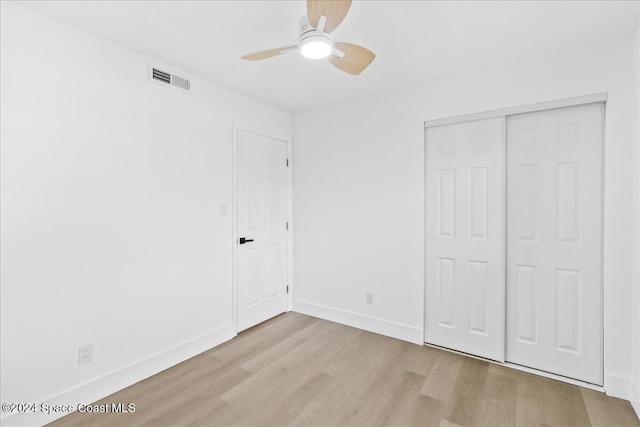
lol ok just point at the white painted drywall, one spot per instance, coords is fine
(635, 354)
(358, 189)
(111, 233)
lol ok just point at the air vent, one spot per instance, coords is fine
(170, 79)
(180, 82)
(162, 76)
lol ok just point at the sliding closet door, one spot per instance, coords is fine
(464, 237)
(554, 241)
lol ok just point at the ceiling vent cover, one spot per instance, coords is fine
(171, 79)
(180, 82)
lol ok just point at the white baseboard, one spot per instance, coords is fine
(616, 386)
(361, 321)
(107, 384)
(623, 388)
(634, 397)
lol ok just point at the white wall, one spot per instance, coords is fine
(635, 386)
(111, 233)
(358, 190)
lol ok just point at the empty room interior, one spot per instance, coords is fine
(324, 213)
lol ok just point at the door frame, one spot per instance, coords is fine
(520, 109)
(600, 97)
(234, 218)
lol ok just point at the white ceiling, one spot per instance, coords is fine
(415, 41)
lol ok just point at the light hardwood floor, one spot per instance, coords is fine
(299, 370)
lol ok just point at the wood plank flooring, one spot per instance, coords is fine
(302, 371)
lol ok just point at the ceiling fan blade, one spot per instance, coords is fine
(355, 60)
(269, 53)
(333, 10)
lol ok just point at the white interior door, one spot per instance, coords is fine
(262, 228)
(554, 241)
(465, 237)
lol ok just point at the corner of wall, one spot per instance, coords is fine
(368, 323)
(634, 396)
(634, 386)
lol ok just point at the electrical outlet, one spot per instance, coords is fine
(85, 354)
(370, 298)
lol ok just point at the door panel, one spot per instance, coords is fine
(262, 216)
(554, 241)
(465, 237)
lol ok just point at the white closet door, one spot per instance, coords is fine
(554, 241)
(465, 237)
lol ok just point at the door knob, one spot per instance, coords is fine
(243, 240)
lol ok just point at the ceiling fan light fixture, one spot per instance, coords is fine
(315, 41)
(316, 47)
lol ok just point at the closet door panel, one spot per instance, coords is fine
(465, 237)
(554, 241)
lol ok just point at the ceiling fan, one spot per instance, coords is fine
(324, 16)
